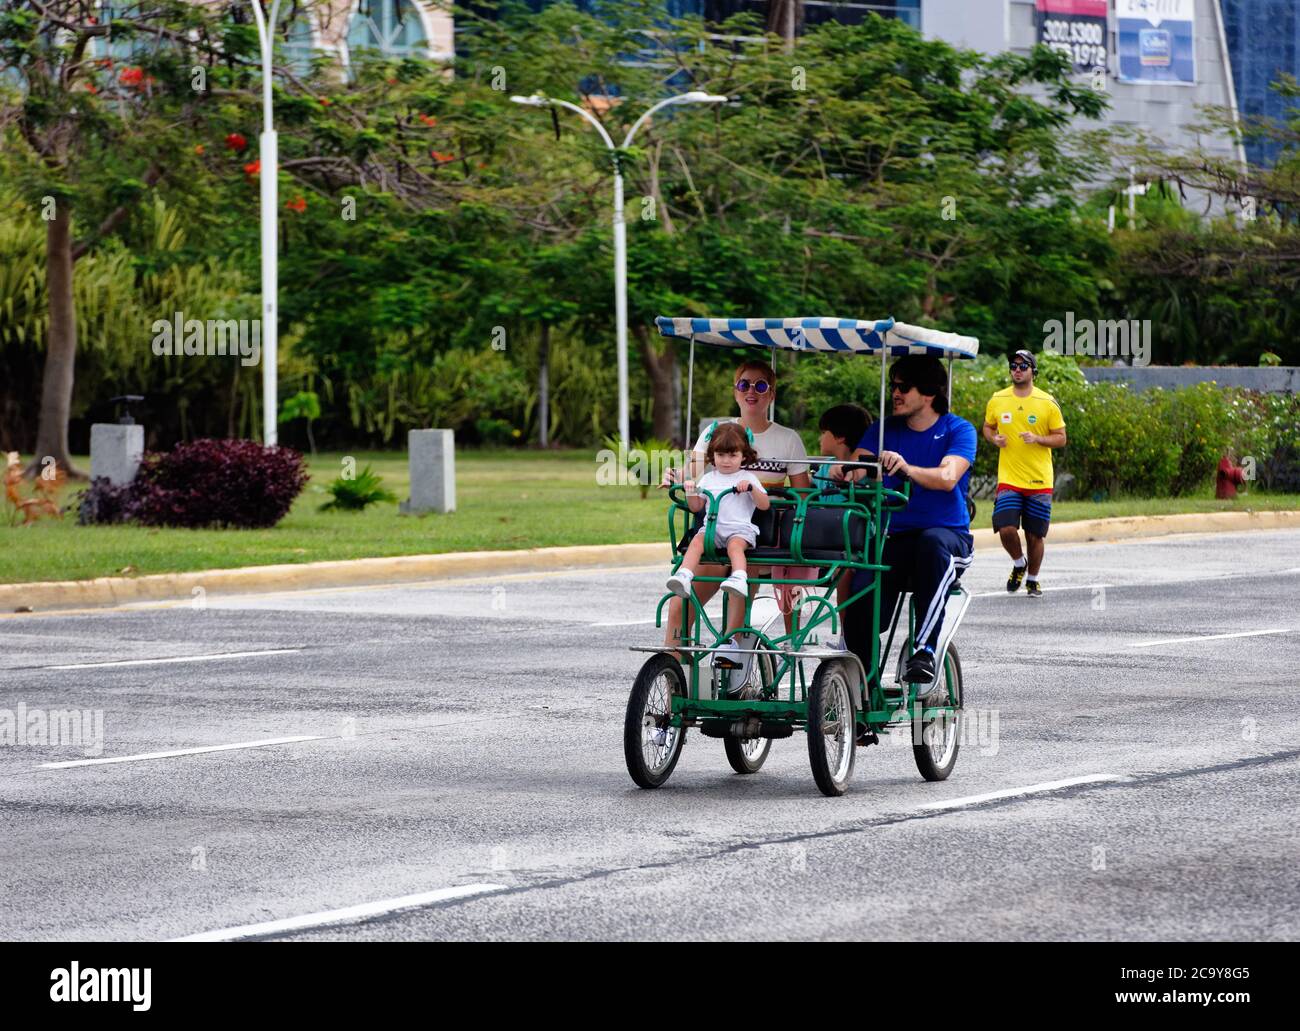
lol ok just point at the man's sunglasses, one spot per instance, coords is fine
(902, 386)
(1021, 366)
(760, 386)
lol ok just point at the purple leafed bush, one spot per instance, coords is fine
(223, 483)
(102, 502)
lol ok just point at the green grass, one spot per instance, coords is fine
(505, 500)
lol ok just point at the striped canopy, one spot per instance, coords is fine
(846, 336)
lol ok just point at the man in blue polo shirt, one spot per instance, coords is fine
(929, 544)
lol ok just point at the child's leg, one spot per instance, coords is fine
(736, 548)
(694, 552)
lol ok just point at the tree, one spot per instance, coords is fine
(98, 134)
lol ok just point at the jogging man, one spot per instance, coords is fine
(1025, 423)
(929, 544)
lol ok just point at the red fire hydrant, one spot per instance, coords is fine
(1228, 478)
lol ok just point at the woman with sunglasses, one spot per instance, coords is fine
(779, 449)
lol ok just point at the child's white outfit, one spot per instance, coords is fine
(735, 513)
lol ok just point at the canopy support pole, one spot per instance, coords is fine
(771, 405)
(880, 469)
(950, 383)
(690, 395)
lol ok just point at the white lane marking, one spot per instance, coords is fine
(178, 658)
(1032, 789)
(1050, 590)
(448, 582)
(626, 622)
(180, 751)
(1208, 637)
(347, 915)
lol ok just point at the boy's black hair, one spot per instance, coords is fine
(848, 422)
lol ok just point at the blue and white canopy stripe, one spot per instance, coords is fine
(846, 336)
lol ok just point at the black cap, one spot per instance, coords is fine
(1027, 356)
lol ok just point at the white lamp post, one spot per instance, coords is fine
(620, 229)
(268, 156)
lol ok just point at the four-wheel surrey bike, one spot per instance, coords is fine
(790, 681)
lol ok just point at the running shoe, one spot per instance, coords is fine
(920, 667)
(728, 656)
(1014, 580)
(1033, 589)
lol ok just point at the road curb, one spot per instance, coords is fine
(109, 591)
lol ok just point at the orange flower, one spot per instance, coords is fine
(325, 101)
(428, 120)
(298, 204)
(252, 168)
(91, 88)
(199, 150)
(131, 76)
(236, 141)
(440, 157)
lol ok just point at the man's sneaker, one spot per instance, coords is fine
(728, 656)
(680, 583)
(1014, 580)
(738, 584)
(920, 668)
(1033, 589)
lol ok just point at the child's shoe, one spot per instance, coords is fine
(680, 583)
(737, 583)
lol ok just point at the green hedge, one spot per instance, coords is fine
(1156, 443)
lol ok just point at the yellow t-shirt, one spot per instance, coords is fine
(1028, 466)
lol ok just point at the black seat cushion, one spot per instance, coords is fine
(823, 537)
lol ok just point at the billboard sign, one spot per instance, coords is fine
(1157, 41)
(1076, 28)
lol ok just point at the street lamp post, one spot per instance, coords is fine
(620, 227)
(268, 158)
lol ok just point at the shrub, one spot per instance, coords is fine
(236, 483)
(360, 492)
(496, 432)
(645, 461)
(103, 502)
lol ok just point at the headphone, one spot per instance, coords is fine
(749, 434)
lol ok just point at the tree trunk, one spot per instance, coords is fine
(784, 18)
(659, 367)
(60, 348)
(544, 387)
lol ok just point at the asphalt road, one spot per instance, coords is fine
(460, 771)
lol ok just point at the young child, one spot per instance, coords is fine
(842, 427)
(729, 449)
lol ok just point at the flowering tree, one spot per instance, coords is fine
(91, 124)
(164, 98)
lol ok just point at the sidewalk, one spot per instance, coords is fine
(109, 591)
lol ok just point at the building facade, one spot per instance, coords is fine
(1185, 64)
(1264, 42)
